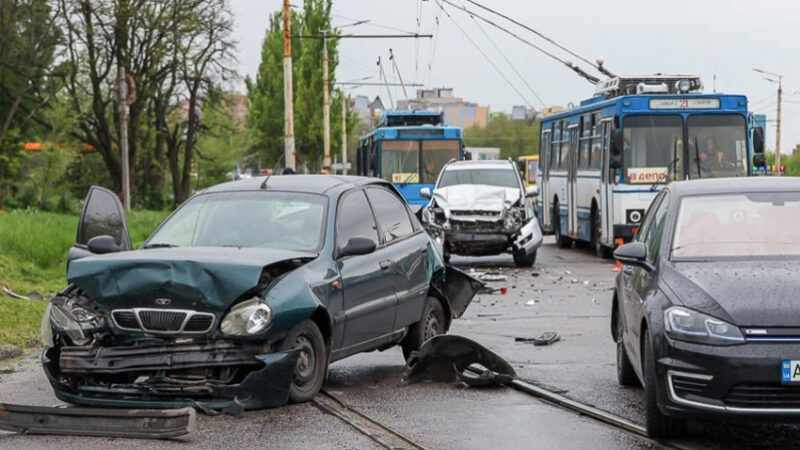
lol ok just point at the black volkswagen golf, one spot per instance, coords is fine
(706, 313)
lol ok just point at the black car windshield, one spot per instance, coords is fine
(279, 220)
(506, 178)
(737, 225)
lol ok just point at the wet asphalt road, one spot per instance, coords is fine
(571, 295)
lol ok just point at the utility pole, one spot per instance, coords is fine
(288, 102)
(778, 79)
(326, 103)
(122, 96)
(778, 130)
(344, 133)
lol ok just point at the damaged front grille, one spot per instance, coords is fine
(167, 321)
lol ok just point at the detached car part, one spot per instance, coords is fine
(132, 423)
(446, 357)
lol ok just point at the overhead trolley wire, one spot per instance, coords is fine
(515, 22)
(477, 47)
(513, 67)
(574, 67)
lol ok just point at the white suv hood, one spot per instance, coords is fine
(476, 197)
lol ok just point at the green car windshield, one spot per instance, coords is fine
(279, 220)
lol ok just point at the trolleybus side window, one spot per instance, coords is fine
(555, 148)
(544, 150)
(584, 153)
(596, 142)
(565, 150)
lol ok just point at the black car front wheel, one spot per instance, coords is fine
(432, 324)
(658, 425)
(312, 362)
(626, 376)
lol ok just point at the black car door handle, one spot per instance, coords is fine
(385, 264)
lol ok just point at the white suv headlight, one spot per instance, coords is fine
(248, 317)
(688, 325)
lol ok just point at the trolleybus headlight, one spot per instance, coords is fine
(683, 85)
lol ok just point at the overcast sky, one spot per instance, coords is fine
(704, 37)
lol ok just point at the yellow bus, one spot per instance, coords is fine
(528, 166)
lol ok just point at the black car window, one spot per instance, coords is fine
(656, 229)
(392, 214)
(355, 219)
(644, 228)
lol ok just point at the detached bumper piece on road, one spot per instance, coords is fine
(142, 424)
(211, 377)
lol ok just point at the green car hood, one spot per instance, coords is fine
(207, 278)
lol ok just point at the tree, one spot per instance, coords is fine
(265, 93)
(28, 40)
(514, 137)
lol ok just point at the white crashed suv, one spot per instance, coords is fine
(481, 208)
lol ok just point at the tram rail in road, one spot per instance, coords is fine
(379, 432)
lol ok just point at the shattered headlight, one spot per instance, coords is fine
(513, 219)
(73, 320)
(248, 317)
(688, 325)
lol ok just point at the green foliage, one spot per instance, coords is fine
(224, 141)
(20, 320)
(513, 137)
(790, 160)
(265, 93)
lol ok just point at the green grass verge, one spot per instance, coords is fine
(33, 257)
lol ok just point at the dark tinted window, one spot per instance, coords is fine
(103, 217)
(355, 219)
(392, 214)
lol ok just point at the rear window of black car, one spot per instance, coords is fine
(280, 220)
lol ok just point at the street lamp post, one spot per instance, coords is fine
(779, 81)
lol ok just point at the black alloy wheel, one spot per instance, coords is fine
(626, 376)
(659, 425)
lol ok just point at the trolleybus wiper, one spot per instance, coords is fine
(664, 178)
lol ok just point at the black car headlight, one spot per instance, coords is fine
(247, 318)
(688, 325)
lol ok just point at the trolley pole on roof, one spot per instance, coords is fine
(288, 102)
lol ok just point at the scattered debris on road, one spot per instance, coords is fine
(530, 302)
(546, 338)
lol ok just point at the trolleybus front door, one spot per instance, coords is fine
(606, 189)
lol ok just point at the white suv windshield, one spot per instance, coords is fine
(279, 220)
(746, 225)
(506, 178)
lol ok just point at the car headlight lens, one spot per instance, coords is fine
(249, 317)
(71, 321)
(688, 325)
(513, 218)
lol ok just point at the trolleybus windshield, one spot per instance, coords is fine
(401, 159)
(718, 145)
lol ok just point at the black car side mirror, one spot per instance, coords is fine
(358, 246)
(634, 254)
(100, 245)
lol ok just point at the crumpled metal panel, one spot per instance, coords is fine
(189, 276)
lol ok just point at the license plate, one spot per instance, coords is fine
(790, 371)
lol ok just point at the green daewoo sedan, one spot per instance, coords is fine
(245, 294)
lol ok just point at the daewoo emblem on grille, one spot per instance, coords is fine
(163, 301)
